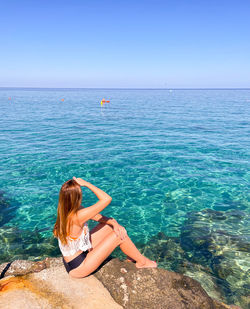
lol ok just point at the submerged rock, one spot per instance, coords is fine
(213, 248)
(16, 244)
(7, 210)
(165, 250)
(170, 255)
(220, 240)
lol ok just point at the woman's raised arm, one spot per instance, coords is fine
(87, 213)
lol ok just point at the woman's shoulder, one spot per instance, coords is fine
(76, 220)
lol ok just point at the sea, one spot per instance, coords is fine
(174, 161)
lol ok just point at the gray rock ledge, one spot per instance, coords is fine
(154, 288)
(130, 287)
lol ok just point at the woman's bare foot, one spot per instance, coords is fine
(146, 264)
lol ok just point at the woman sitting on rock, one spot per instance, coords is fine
(84, 251)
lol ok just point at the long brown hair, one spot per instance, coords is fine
(70, 198)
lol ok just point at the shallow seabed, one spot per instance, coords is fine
(176, 164)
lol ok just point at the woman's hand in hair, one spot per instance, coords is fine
(81, 182)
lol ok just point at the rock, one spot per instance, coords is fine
(24, 267)
(219, 241)
(21, 267)
(171, 256)
(7, 210)
(53, 262)
(25, 244)
(219, 305)
(53, 288)
(46, 284)
(167, 251)
(207, 281)
(153, 288)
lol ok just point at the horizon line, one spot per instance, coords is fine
(126, 88)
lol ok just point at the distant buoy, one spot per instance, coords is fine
(104, 101)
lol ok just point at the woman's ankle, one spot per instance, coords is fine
(141, 261)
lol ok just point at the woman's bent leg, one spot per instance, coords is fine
(96, 256)
(99, 232)
(100, 252)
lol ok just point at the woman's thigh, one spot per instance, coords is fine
(97, 255)
(99, 232)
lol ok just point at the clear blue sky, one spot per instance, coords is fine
(138, 43)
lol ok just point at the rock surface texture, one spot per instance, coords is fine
(51, 288)
(153, 288)
(46, 284)
(214, 249)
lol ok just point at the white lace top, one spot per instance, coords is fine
(73, 245)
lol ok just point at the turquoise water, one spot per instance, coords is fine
(160, 154)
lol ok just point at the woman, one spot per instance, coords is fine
(82, 251)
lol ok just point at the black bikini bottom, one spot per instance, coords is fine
(75, 262)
